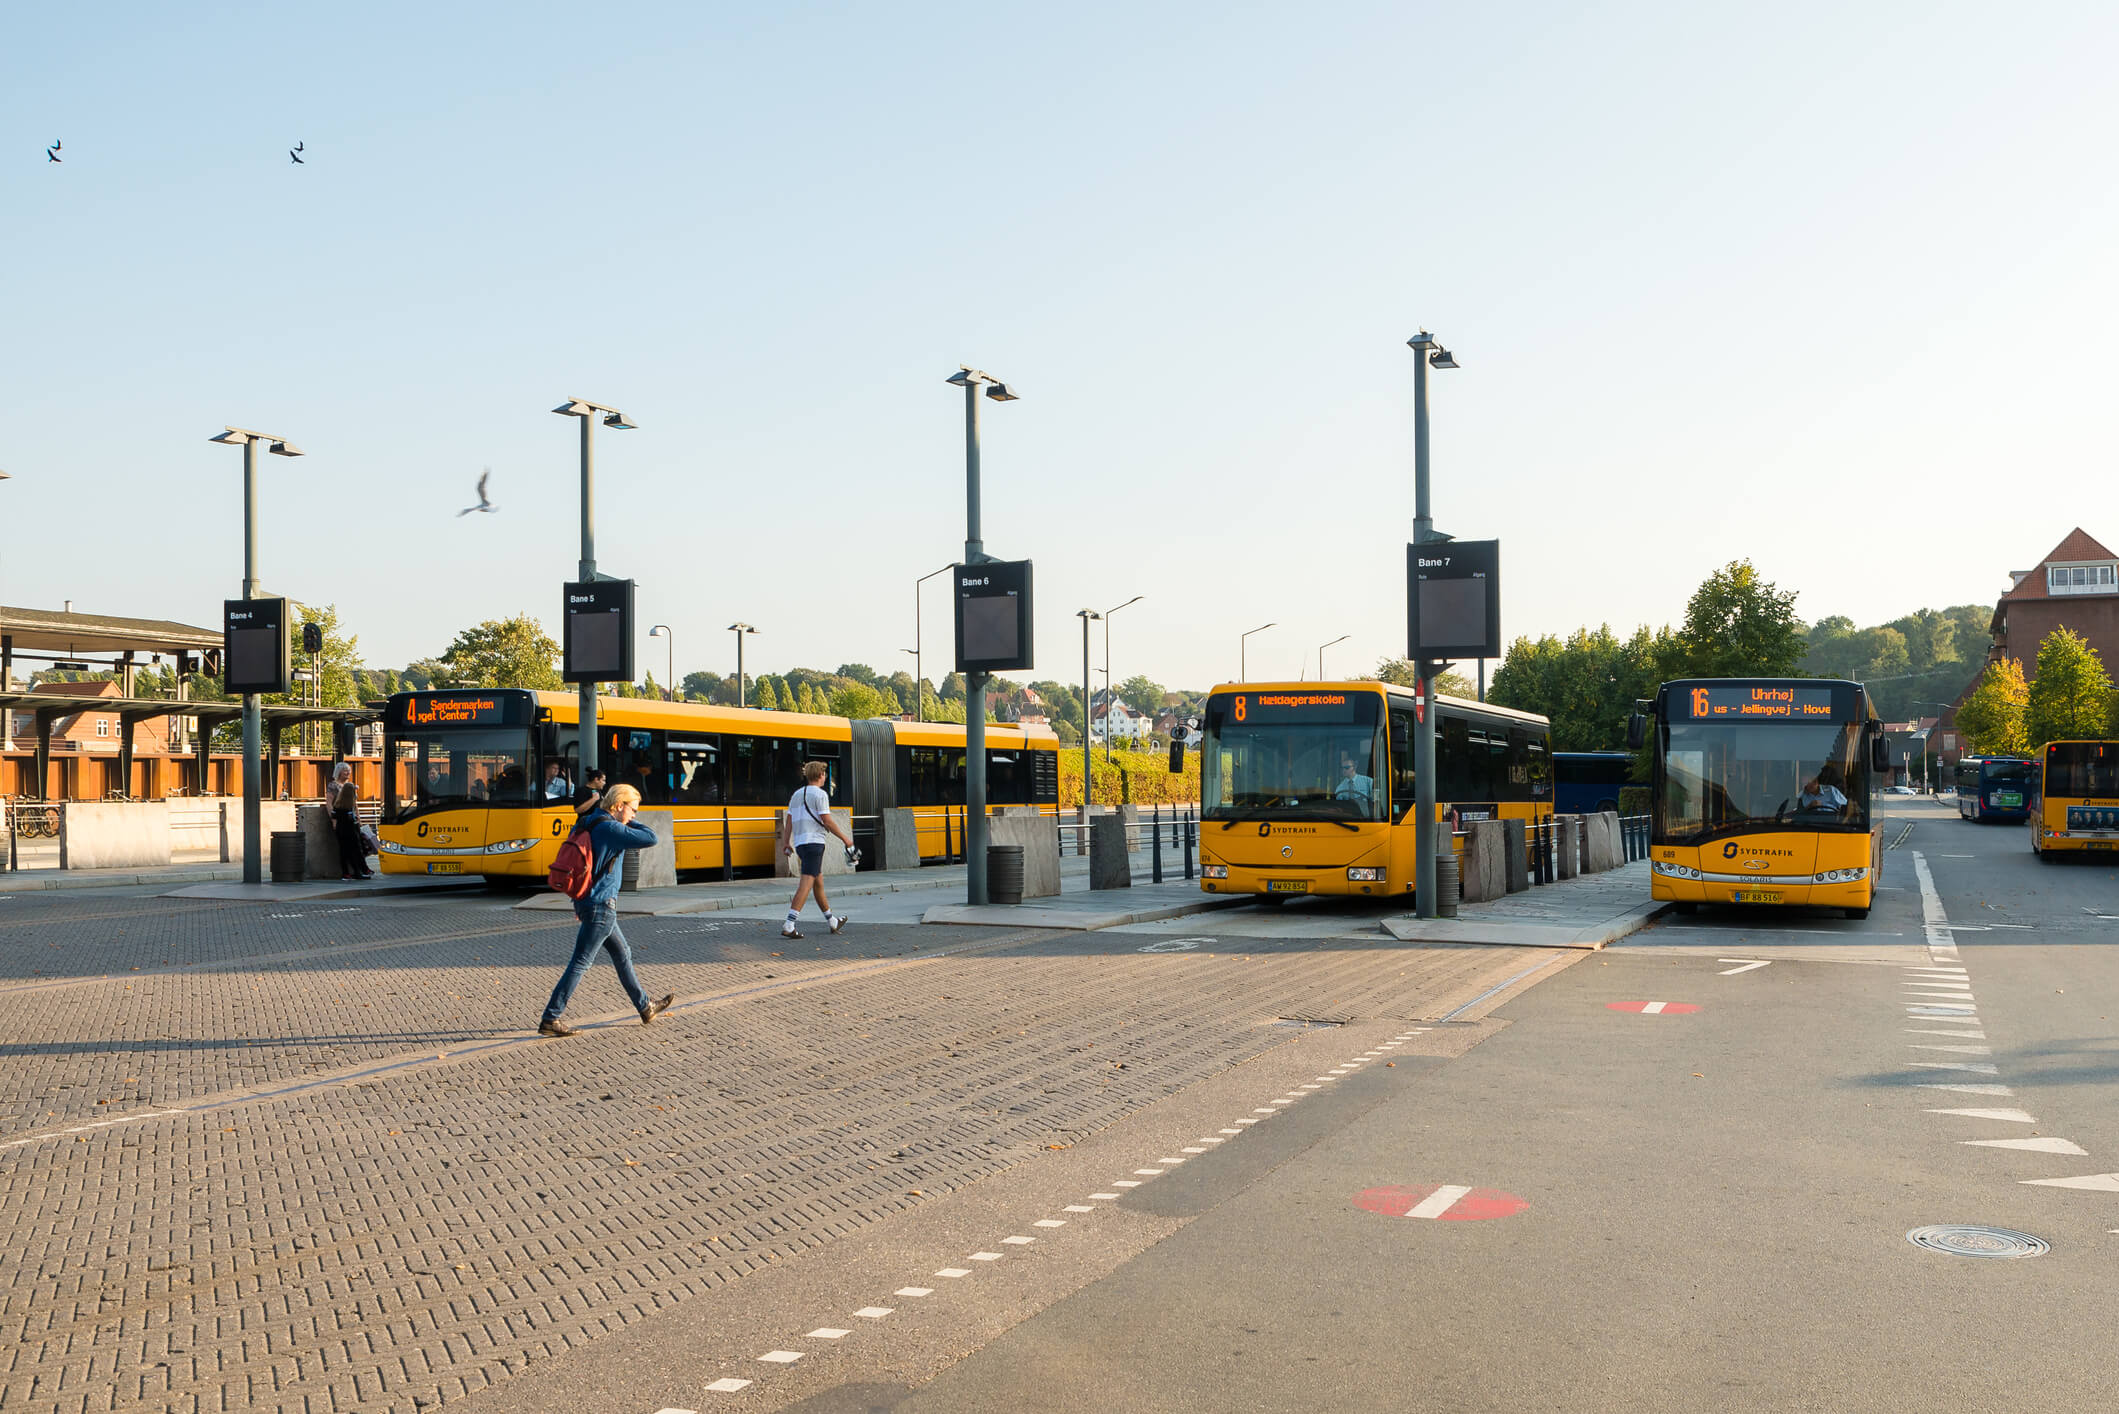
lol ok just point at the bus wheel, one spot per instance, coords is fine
(1272, 900)
(2045, 856)
(1857, 914)
(1686, 906)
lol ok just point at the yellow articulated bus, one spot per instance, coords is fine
(1307, 787)
(1761, 793)
(2076, 808)
(478, 782)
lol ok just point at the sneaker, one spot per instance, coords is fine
(838, 921)
(554, 1028)
(655, 1009)
(790, 932)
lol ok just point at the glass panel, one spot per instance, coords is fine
(1717, 777)
(2082, 770)
(695, 770)
(465, 768)
(1289, 766)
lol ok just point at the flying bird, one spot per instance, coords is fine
(51, 154)
(295, 152)
(483, 503)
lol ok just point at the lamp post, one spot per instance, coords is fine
(1426, 353)
(972, 381)
(1243, 646)
(669, 684)
(919, 670)
(1107, 670)
(1320, 653)
(617, 421)
(253, 725)
(1085, 615)
(1947, 707)
(740, 629)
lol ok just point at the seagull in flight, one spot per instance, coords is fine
(483, 503)
(51, 154)
(295, 152)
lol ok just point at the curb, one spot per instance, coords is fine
(1590, 937)
(1077, 920)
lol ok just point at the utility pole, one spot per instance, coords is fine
(1425, 349)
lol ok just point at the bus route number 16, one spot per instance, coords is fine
(1699, 702)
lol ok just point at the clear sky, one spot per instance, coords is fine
(1827, 286)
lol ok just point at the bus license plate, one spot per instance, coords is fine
(451, 868)
(1287, 886)
(2100, 844)
(1755, 895)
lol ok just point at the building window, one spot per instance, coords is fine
(102, 726)
(2082, 579)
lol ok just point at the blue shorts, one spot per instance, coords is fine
(812, 857)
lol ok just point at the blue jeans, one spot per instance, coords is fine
(599, 931)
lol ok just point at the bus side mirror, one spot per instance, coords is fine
(1636, 731)
(1880, 753)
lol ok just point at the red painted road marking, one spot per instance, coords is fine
(1653, 1008)
(1447, 1202)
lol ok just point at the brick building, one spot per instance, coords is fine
(90, 729)
(2075, 587)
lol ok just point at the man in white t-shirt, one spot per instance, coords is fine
(807, 829)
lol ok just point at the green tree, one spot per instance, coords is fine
(1738, 625)
(701, 686)
(2070, 698)
(1992, 714)
(859, 672)
(1586, 684)
(513, 652)
(942, 709)
(1449, 683)
(953, 688)
(1141, 693)
(767, 698)
(1068, 733)
(858, 700)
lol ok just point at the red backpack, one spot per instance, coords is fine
(574, 867)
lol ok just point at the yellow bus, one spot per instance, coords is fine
(476, 780)
(2076, 808)
(1761, 793)
(1307, 787)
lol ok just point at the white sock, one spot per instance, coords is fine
(792, 918)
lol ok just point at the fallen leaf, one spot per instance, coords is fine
(1697, 1076)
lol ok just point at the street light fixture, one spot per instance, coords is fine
(1426, 353)
(1243, 661)
(612, 418)
(669, 685)
(1320, 653)
(253, 724)
(740, 629)
(971, 380)
(919, 669)
(1107, 670)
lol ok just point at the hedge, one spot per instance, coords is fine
(1139, 777)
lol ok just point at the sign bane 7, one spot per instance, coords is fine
(1453, 600)
(598, 631)
(254, 645)
(993, 620)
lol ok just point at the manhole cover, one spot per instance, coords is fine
(1962, 1241)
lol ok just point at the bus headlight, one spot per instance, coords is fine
(1213, 871)
(510, 846)
(391, 847)
(1365, 876)
(1842, 876)
(1676, 871)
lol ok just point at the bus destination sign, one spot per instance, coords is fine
(455, 712)
(1708, 703)
(1313, 708)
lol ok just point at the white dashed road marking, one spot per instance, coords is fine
(953, 1272)
(2096, 1182)
(913, 1291)
(727, 1387)
(874, 1313)
(1435, 1204)
(828, 1333)
(1743, 967)
(780, 1357)
(2010, 1116)
(1017, 1241)
(2048, 1145)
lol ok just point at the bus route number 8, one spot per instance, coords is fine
(1699, 702)
(1243, 709)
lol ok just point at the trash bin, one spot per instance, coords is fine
(1004, 873)
(290, 856)
(1446, 883)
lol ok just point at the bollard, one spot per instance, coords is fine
(728, 860)
(1190, 840)
(948, 843)
(1156, 872)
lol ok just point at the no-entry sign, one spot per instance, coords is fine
(1653, 1008)
(1443, 1202)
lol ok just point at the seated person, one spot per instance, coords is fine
(478, 788)
(1353, 785)
(556, 784)
(1821, 795)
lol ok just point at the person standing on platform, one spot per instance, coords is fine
(342, 805)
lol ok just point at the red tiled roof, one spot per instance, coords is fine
(2078, 545)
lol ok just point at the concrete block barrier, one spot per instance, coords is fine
(1040, 842)
(1567, 834)
(115, 834)
(1109, 865)
(1516, 856)
(655, 866)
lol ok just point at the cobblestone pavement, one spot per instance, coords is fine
(391, 1235)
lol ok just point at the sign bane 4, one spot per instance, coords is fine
(1453, 600)
(993, 617)
(599, 631)
(254, 644)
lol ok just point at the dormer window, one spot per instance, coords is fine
(2082, 579)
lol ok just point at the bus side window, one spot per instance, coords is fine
(1458, 776)
(1402, 782)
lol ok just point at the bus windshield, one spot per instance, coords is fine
(1293, 756)
(1721, 777)
(457, 768)
(2009, 773)
(2082, 770)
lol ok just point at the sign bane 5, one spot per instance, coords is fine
(1453, 600)
(599, 631)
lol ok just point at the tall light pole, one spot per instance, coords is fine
(919, 669)
(972, 382)
(1243, 648)
(253, 722)
(1320, 653)
(1085, 615)
(1426, 353)
(617, 421)
(1107, 670)
(669, 686)
(1924, 781)
(740, 629)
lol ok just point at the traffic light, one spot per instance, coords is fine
(312, 638)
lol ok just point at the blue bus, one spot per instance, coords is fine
(1996, 788)
(1585, 782)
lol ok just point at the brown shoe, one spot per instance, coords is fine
(655, 1009)
(555, 1028)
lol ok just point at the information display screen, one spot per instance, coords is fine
(1324, 709)
(1765, 702)
(993, 617)
(1453, 599)
(254, 647)
(497, 708)
(599, 632)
